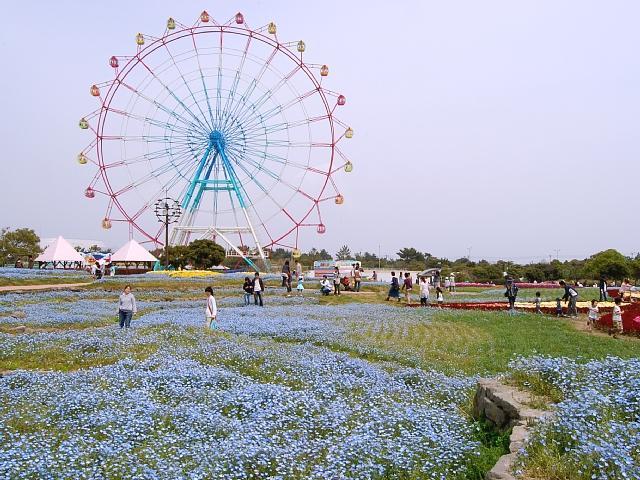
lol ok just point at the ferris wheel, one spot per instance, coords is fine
(228, 120)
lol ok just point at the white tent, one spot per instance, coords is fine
(132, 252)
(60, 251)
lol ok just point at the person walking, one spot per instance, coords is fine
(602, 286)
(247, 287)
(357, 278)
(257, 286)
(394, 289)
(300, 286)
(286, 273)
(336, 281)
(570, 295)
(298, 269)
(439, 296)
(407, 286)
(594, 315)
(126, 307)
(511, 292)
(424, 292)
(616, 317)
(374, 276)
(537, 303)
(211, 310)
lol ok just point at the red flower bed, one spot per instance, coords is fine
(630, 318)
(474, 284)
(537, 285)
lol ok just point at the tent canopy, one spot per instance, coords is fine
(132, 251)
(60, 251)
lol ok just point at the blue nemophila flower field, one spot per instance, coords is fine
(293, 390)
(595, 432)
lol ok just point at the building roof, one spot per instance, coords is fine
(132, 251)
(60, 251)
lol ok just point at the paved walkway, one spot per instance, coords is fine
(57, 286)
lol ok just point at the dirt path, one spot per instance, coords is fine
(26, 288)
(580, 324)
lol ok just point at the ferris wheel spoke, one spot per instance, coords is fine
(261, 119)
(246, 94)
(175, 97)
(148, 157)
(188, 124)
(155, 173)
(150, 121)
(283, 161)
(251, 108)
(284, 126)
(261, 168)
(188, 87)
(204, 83)
(235, 83)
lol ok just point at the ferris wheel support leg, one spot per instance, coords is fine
(237, 250)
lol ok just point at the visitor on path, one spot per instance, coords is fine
(617, 318)
(374, 276)
(257, 285)
(286, 276)
(447, 283)
(298, 269)
(537, 302)
(594, 314)
(357, 278)
(424, 292)
(300, 287)
(511, 292)
(407, 286)
(247, 287)
(559, 307)
(346, 284)
(625, 290)
(452, 283)
(126, 307)
(325, 286)
(571, 296)
(439, 296)
(336, 281)
(112, 270)
(211, 310)
(602, 286)
(394, 289)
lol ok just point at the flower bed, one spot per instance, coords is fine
(630, 318)
(595, 432)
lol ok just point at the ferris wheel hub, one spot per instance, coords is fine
(217, 140)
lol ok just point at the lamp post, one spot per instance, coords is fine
(168, 211)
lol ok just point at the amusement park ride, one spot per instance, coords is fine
(230, 121)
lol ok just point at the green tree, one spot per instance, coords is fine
(609, 263)
(205, 253)
(344, 253)
(22, 242)
(411, 256)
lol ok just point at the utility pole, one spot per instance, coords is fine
(379, 259)
(557, 250)
(168, 211)
(469, 253)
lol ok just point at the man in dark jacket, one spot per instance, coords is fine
(570, 295)
(602, 286)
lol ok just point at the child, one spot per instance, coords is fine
(211, 310)
(617, 318)
(248, 290)
(558, 307)
(325, 285)
(300, 287)
(593, 314)
(439, 296)
(537, 303)
(424, 292)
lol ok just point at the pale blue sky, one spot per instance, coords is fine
(508, 127)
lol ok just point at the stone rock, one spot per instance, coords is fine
(18, 329)
(18, 314)
(502, 469)
(517, 438)
(495, 414)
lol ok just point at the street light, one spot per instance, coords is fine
(168, 211)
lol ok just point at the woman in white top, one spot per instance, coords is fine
(424, 292)
(211, 310)
(617, 318)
